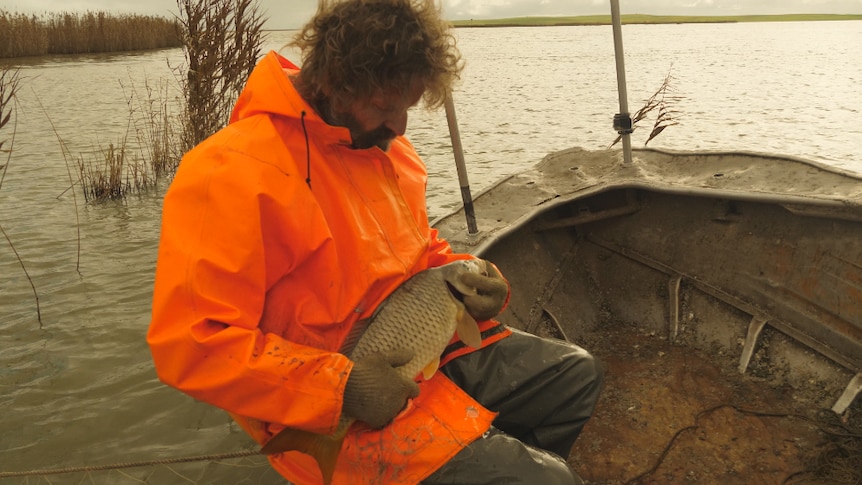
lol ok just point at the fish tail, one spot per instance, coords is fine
(323, 448)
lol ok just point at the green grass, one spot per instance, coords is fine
(645, 19)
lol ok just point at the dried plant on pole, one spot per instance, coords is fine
(662, 101)
(222, 40)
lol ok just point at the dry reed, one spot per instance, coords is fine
(137, 160)
(10, 83)
(91, 32)
(661, 101)
(113, 171)
(103, 176)
(222, 41)
(157, 127)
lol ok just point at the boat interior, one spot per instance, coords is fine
(728, 319)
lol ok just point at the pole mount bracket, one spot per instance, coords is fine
(623, 123)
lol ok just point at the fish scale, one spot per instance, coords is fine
(434, 324)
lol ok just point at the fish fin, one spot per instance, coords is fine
(429, 370)
(323, 448)
(468, 329)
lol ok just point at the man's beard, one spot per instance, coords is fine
(380, 137)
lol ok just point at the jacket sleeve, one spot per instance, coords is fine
(226, 237)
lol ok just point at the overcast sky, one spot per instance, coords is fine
(287, 14)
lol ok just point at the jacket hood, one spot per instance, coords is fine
(269, 91)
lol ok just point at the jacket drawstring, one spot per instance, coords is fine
(307, 151)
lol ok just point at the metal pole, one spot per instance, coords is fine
(458, 150)
(623, 120)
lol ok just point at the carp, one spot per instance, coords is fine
(421, 315)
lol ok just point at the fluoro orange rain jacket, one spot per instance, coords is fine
(276, 238)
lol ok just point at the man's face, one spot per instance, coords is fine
(378, 120)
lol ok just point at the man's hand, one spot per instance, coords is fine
(375, 393)
(491, 293)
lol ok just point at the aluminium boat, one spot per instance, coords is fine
(721, 291)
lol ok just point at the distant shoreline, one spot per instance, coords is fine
(585, 20)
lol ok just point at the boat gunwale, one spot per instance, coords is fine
(478, 244)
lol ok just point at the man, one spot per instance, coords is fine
(293, 223)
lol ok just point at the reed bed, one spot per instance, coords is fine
(112, 172)
(91, 32)
(148, 152)
(222, 42)
(104, 176)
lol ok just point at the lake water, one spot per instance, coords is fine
(80, 389)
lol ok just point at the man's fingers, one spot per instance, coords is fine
(412, 389)
(482, 307)
(484, 284)
(473, 279)
(398, 358)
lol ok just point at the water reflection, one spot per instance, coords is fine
(69, 60)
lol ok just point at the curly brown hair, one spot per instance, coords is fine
(352, 48)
